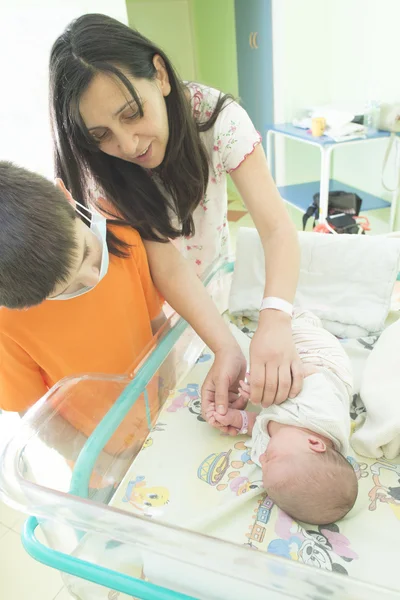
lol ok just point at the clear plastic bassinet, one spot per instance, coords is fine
(66, 480)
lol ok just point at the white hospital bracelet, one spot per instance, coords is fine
(277, 304)
(245, 423)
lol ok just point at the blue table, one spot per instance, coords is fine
(300, 195)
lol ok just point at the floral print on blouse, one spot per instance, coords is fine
(232, 138)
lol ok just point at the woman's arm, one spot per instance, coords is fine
(276, 370)
(178, 283)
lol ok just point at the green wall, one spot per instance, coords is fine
(167, 23)
(198, 35)
(215, 43)
(214, 36)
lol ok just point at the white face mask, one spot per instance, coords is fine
(98, 225)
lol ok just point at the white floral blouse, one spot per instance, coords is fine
(231, 139)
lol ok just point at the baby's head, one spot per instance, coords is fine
(307, 478)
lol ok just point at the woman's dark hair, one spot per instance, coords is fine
(97, 43)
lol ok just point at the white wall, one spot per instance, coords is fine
(365, 66)
(301, 60)
(334, 51)
(27, 31)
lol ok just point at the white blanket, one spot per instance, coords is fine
(346, 280)
(379, 432)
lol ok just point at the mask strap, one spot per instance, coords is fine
(80, 207)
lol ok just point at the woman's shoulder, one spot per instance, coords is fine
(203, 100)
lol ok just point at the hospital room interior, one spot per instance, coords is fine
(250, 446)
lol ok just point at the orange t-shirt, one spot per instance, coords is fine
(102, 331)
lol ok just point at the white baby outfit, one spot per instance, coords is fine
(323, 404)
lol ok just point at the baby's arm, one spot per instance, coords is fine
(232, 422)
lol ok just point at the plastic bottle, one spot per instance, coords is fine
(372, 115)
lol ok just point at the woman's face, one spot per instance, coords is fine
(113, 119)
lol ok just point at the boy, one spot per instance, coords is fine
(82, 308)
(48, 252)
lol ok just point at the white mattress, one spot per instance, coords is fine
(189, 475)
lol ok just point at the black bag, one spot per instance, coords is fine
(338, 203)
(343, 223)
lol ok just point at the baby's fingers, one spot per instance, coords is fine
(222, 419)
(244, 390)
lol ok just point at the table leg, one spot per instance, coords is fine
(324, 182)
(396, 191)
(270, 152)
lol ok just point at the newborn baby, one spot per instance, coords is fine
(302, 443)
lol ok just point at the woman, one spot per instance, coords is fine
(159, 151)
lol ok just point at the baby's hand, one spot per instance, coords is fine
(223, 422)
(244, 390)
(214, 419)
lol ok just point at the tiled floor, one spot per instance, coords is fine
(22, 578)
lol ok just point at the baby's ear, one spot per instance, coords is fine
(61, 186)
(316, 444)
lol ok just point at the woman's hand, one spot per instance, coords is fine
(275, 367)
(222, 382)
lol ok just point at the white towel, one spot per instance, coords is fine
(379, 432)
(346, 280)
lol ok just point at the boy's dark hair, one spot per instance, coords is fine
(37, 237)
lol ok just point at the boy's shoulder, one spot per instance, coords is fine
(126, 234)
(134, 250)
(10, 321)
(16, 322)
